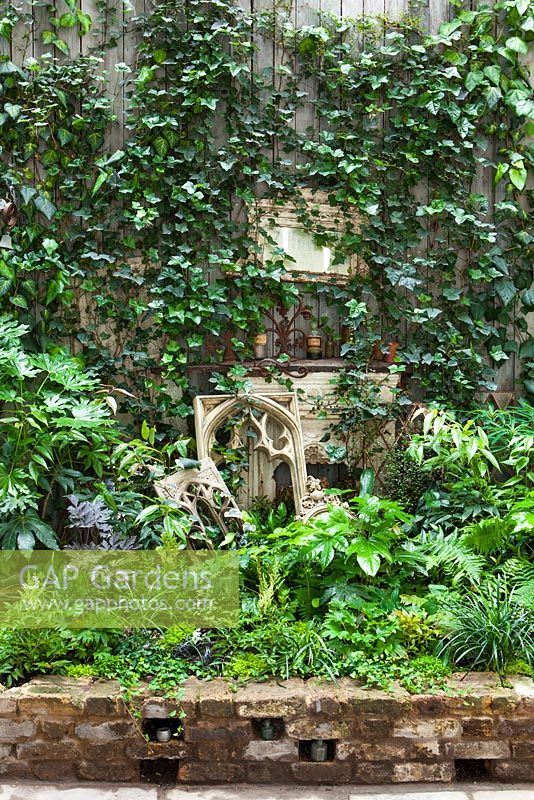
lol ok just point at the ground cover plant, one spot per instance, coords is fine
(130, 265)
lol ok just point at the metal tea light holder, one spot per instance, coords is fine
(319, 750)
(267, 730)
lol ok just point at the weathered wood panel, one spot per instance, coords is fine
(28, 42)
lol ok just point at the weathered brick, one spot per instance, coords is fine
(8, 703)
(105, 731)
(477, 727)
(13, 769)
(219, 750)
(429, 750)
(376, 703)
(216, 700)
(505, 702)
(305, 728)
(12, 731)
(281, 750)
(269, 772)
(416, 772)
(428, 729)
(53, 751)
(370, 727)
(518, 726)
(428, 705)
(333, 772)
(512, 770)
(6, 750)
(287, 699)
(109, 771)
(206, 772)
(61, 770)
(481, 750)
(236, 729)
(523, 751)
(56, 729)
(372, 772)
(380, 751)
(106, 751)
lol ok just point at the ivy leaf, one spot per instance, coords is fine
(12, 109)
(527, 298)
(45, 206)
(49, 37)
(67, 20)
(84, 22)
(518, 176)
(493, 73)
(498, 354)
(50, 246)
(101, 179)
(517, 45)
(521, 101)
(473, 79)
(526, 350)
(19, 301)
(501, 170)
(506, 290)
(145, 75)
(492, 95)
(27, 192)
(161, 146)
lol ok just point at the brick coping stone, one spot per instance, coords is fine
(64, 729)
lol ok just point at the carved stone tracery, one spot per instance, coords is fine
(204, 496)
(272, 427)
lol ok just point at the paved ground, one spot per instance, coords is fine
(32, 791)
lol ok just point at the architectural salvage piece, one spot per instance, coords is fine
(267, 424)
(204, 496)
(316, 501)
(287, 229)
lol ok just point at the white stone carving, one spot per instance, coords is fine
(203, 495)
(273, 419)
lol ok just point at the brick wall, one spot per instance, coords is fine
(64, 729)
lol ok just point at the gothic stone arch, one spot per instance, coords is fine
(275, 422)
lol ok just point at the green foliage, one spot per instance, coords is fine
(59, 437)
(487, 629)
(185, 270)
(24, 653)
(405, 481)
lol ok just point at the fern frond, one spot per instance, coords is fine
(487, 536)
(456, 559)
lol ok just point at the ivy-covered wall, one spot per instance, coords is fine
(132, 239)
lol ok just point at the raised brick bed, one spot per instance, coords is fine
(59, 728)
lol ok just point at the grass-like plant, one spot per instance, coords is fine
(488, 628)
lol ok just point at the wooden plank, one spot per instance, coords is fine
(438, 12)
(331, 6)
(21, 45)
(305, 121)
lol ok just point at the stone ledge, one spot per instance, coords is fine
(81, 729)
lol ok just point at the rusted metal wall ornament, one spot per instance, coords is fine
(8, 217)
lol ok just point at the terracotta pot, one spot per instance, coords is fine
(392, 352)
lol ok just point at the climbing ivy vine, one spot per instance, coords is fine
(141, 255)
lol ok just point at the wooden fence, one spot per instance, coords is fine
(28, 42)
